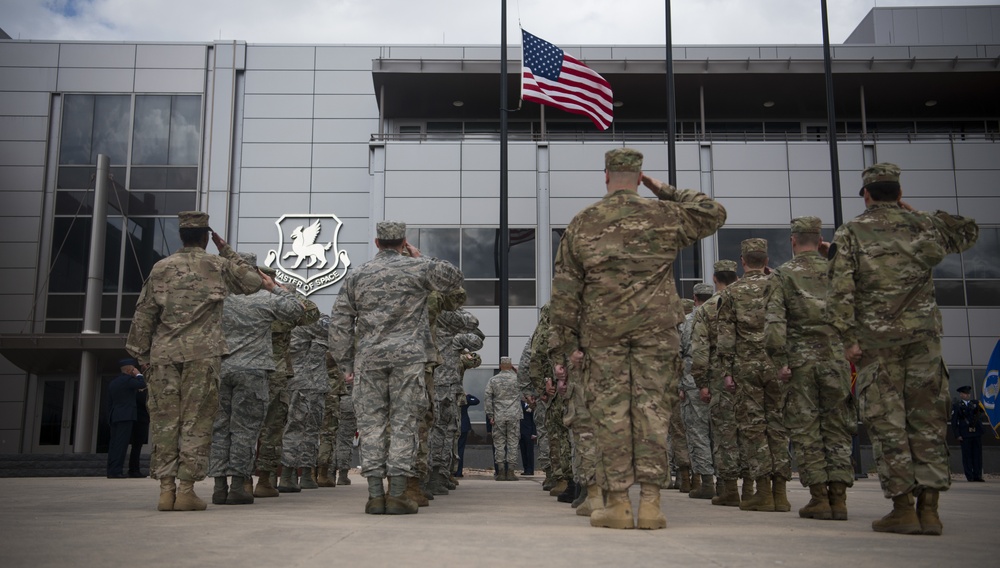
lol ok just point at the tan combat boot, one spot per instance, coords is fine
(730, 496)
(927, 511)
(650, 515)
(396, 502)
(248, 484)
(343, 479)
(594, 501)
(264, 487)
(763, 499)
(838, 500)
(376, 497)
(780, 495)
(415, 493)
(323, 478)
(706, 488)
(684, 474)
(187, 499)
(818, 506)
(747, 492)
(616, 514)
(168, 492)
(558, 488)
(902, 519)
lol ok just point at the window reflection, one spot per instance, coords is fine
(481, 253)
(981, 261)
(438, 243)
(166, 130)
(92, 125)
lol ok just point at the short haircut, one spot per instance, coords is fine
(390, 243)
(193, 235)
(726, 277)
(624, 177)
(704, 297)
(884, 190)
(808, 239)
(755, 259)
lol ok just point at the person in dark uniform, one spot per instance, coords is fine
(526, 442)
(140, 433)
(466, 428)
(123, 413)
(967, 426)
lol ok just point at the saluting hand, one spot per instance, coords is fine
(218, 240)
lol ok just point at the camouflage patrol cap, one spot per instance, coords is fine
(702, 289)
(688, 305)
(249, 257)
(724, 266)
(883, 171)
(807, 225)
(390, 230)
(623, 160)
(753, 245)
(193, 219)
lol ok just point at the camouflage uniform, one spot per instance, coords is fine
(243, 387)
(503, 407)
(177, 328)
(454, 336)
(694, 411)
(382, 307)
(882, 300)
(331, 414)
(760, 396)
(560, 453)
(269, 454)
(798, 335)
(344, 452)
(677, 446)
(579, 421)
(307, 388)
(615, 300)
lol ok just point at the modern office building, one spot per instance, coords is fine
(273, 139)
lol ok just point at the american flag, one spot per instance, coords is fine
(550, 76)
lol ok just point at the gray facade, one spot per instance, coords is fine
(369, 132)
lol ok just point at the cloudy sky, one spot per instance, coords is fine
(440, 21)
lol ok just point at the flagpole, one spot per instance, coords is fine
(831, 129)
(504, 230)
(671, 107)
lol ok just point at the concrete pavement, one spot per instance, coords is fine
(99, 522)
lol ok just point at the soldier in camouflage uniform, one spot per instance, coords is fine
(306, 406)
(615, 308)
(807, 353)
(694, 410)
(560, 472)
(269, 454)
(177, 329)
(711, 389)
(882, 303)
(677, 450)
(246, 324)
(760, 396)
(344, 452)
(331, 423)
(503, 410)
(380, 332)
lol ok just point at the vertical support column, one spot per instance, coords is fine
(708, 248)
(85, 408)
(543, 234)
(376, 213)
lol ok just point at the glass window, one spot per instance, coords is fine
(166, 130)
(949, 292)
(150, 240)
(779, 244)
(92, 125)
(983, 292)
(76, 138)
(487, 292)
(65, 306)
(438, 243)
(185, 130)
(981, 261)
(164, 178)
(481, 253)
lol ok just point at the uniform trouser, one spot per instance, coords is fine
(300, 441)
(580, 423)
(725, 434)
(441, 438)
(242, 406)
(903, 394)
(632, 384)
(972, 457)
(696, 427)
(760, 402)
(140, 433)
(820, 420)
(462, 438)
(677, 446)
(344, 453)
(389, 402)
(183, 398)
(506, 434)
(455, 430)
(121, 433)
(527, 449)
(542, 429)
(328, 432)
(269, 456)
(424, 426)
(560, 460)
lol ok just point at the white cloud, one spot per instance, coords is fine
(564, 22)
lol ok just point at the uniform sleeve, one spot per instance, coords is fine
(285, 306)
(469, 341)
(488, 396)
(240, 277)
(700, 348)
(442, 276)
(567, 301)
(776, 323)
(342, 322)
(541, 366)
(957, 234)
(144, 322)
(703, 216)
(726, 333)
(840, 304)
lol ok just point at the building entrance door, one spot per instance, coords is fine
(55, 415)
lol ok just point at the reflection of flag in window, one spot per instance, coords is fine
(550, 76)
(991, 390)
(518, 236)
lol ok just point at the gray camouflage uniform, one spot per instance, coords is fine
(503, 406)
(694, 412)
(453, 337)
(308, 387)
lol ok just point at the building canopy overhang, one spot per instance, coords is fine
(54, 353)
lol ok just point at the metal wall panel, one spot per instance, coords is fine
(345, 83)
(19, 255)
(17, 54)
(562, 210)
(278, 106)
(402, 183)
(340, 155)
(930, 26)
(20, 229)
(97, 55)
(347, 57)
(274, 179)
(977, 183)
(811, 184)
(982, 348)
(28, 78)
(277, 155)
(282, 57)
(751, 183)
(336, 180)
(345, 130)
(487, 184)
(985, 210)
(654, 157)
(810, 157)
(170, 81)
(749, 157)
(956, 351)
(908, 156)
(816, 207)
(280, 82)
(171, 56)
(576, 157)
(955, 322)
(23, 128)
(22, 153)
(273, 205)
(934, 203)
(928, 183)
(277, 130)
(483, 211)
(905, 27)
(978, 26)
(423, 157)
(345, 106)
(984, 322)
(756, 211)
(423, 210)
(976, 156)
(587, 184)
(12, 387)
(96, 80)
(24, 104)
(21, 204)
(343, 205)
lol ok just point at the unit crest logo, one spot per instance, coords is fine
(307, 253)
